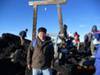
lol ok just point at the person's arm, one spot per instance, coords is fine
(29, 56)
(78, 45)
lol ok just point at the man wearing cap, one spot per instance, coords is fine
(40, 54)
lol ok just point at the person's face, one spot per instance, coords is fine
(42, 36)
(76, 37)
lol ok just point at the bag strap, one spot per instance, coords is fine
(34, 43)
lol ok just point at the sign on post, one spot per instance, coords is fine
(35, 4)
(46, 2)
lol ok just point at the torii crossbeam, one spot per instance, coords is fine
(46, 2)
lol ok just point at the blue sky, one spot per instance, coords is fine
(79, 15)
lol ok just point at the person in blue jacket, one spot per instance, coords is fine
(96, 35)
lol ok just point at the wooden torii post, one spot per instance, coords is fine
(46, 2)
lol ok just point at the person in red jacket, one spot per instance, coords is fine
(76, 40)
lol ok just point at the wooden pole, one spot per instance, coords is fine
(34, 22)
(60, 19)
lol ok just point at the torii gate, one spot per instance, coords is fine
(46, 2)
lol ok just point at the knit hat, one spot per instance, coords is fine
(76, 34)
(94, 28)
(42, 29)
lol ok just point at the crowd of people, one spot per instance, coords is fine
(41, 53)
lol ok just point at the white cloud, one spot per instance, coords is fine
(82, 26)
